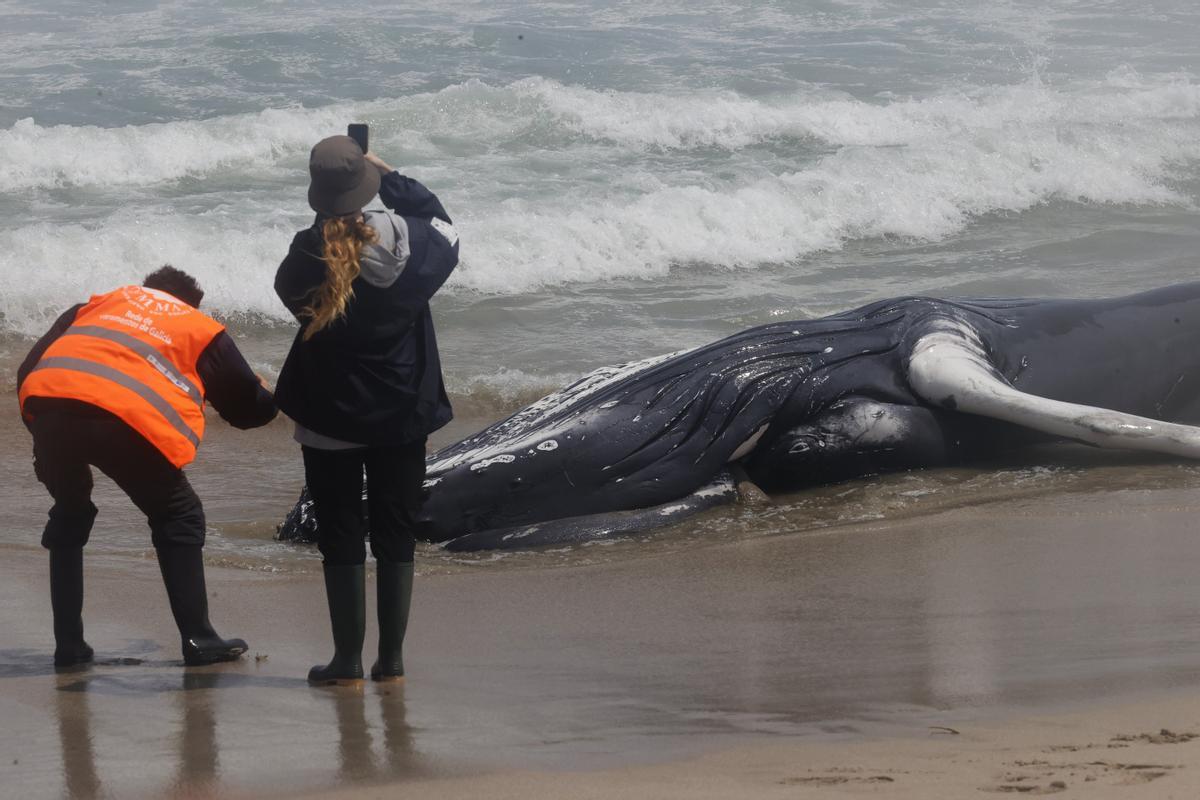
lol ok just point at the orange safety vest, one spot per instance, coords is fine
(133, 352)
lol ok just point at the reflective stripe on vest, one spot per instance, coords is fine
(145, 351)
(142, 390)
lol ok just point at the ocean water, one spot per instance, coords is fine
(627, 178)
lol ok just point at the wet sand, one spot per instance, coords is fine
(1051, 632)
(1069, 754)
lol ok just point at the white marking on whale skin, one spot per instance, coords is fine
(487, 462)
(429, 484)
(949, 363)
(871, 423)
(716, 488)
(548, 446)
(827, 350)
(591, 384)
(745, 447)
(524, 424)
(521, 534)
(667, 511)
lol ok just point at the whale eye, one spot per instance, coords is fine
(516, 483)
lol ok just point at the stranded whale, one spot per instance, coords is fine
(898, 384)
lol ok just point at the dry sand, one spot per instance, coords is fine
(1058, 636)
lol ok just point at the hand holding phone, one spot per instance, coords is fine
(358, 132)
(378, 163)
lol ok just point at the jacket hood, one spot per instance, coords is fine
(381, 263)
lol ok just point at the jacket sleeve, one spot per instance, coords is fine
(232, 387)
(300, 272)
(65, 320)
(439, 259)
(410, 198)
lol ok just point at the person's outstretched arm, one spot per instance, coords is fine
(405, 196)
(231, 386)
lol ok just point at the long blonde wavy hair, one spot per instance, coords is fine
(345, 238)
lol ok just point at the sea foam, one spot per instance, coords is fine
(554, 184)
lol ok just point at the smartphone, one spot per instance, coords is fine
(358, 132)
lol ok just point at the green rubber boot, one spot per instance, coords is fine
(393, 597)
(345, 589)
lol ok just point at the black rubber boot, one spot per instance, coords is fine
(393, 599)
(183, 574)
(345, 591)
(66, 600)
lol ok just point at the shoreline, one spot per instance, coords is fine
(769, 666)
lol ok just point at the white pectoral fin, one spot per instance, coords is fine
(953, 372)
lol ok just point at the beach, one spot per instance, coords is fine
(627, 180)
(1020, 644)
(1069, 754)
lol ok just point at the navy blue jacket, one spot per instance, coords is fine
(374, 376)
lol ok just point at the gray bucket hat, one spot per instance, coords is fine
(342, 180)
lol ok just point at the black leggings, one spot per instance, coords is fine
(394, 479)
(69, 439)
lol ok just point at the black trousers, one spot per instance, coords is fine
(70, 439)
(394, 479)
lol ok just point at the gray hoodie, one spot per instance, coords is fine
(381, 263)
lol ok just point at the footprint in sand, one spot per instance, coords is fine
(835, 780)
(1138, 773)
(1164, 736)
(1053, 787)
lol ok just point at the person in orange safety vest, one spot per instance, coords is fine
(120, 383)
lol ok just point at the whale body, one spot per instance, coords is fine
(898, 384)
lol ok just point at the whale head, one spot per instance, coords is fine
(624, 437)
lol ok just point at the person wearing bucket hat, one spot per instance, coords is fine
(363, 383)
(343, 180)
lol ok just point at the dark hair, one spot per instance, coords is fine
(177, 282)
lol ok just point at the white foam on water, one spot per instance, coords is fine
(723, 118)
(47, 266)
(638, 184)
(33, 156)
(919, 169)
